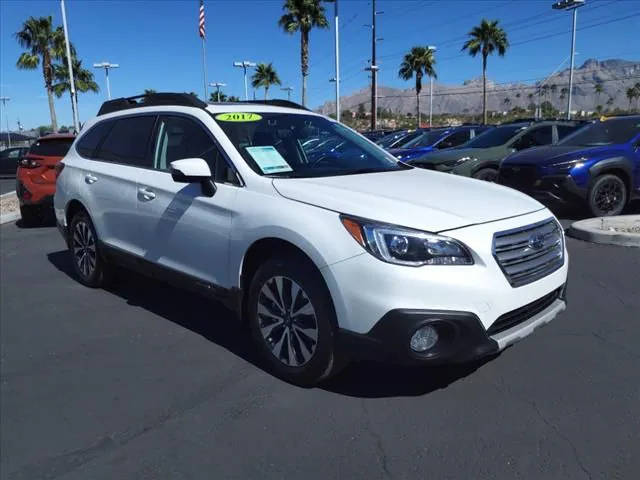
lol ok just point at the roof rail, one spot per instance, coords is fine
(277, 102)
(153, 99)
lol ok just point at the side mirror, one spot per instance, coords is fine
(193, 170)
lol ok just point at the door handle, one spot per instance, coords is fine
(90, 179)
(145, 194)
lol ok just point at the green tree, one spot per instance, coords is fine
(82, 78)
(507, 102)
(553, 89)
(361, 111)
(598, 89)
(486, 39)
(418, 62)
(302, 16)
(43, 45)
(631, 94)
(233, 98)
(265, 76)
(149, 91)
(218, 97)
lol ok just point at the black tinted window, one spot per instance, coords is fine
(128, 140)
(179, 138)
(53, 147)
(89, 141)
(564, 130)
(495, 137)
(605, 133)
(455, 139)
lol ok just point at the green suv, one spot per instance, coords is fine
(480, 158)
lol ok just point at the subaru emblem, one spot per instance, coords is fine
(536, 241)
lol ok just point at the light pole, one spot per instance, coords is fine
(107, 66)
(337, 79)
(432, 49)
(374, 68)
(4, 101)
(217, 85)
(244, 65)
(570, 5)
(72, 83)
(288, 90)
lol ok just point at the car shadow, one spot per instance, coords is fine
(219, 325)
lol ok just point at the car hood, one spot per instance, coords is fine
(409, 153)
(449, 155)
(555, 153)
(415, 198)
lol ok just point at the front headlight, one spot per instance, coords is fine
(403, 246)
(568, 165)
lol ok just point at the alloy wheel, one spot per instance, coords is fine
(84, 248)
(608, 196)
(287, 321)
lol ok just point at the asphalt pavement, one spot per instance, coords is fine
(7, 185)
(146, 381)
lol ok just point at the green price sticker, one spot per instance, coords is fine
(238, 117)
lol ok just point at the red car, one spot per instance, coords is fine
(36, 176)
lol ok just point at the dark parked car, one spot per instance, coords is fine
(599, 165)
(375, 135)
(436, 139)
(396, 140)
(9, 159)
(480, 158)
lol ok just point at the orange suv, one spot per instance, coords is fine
(37, 173)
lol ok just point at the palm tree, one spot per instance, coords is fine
(149, 91)
(507, 102)
(218, 97)
(419, 62)
(233, 98)
(598, 91)
(553, 89)
(564, 91)
(486, 38)
(631, 94)
(265, 76)
(43, 45)
(82, 78)
(302, 16)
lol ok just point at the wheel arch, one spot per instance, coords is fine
(619, 166)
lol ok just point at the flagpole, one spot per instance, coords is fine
(204, 69)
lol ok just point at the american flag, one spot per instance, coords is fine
(201, 20)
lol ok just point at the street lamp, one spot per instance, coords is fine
(288, 90)
(431, 48)
(4, 101)
(217, 85)
(570, 5)
(244, 65)
(107, 66)
(72, 84)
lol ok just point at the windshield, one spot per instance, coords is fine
(494, 137)
(54, 147)
(391, 138)
(401, 142)
(426, 139)
(605, 133)
(295, 145)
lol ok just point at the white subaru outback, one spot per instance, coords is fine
(325, 244)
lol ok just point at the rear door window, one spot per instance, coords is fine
(128, 142)
(564, 130)
(53, 147)
(90, 141)
(455, 139)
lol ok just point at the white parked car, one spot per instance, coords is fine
(329, 253)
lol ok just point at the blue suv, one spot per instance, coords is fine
(436, 139)
(598, 165)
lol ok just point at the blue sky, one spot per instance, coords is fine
(157, 45)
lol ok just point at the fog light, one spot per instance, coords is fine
(423, 339)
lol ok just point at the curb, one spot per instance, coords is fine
(588, 230)
(8, 194)
(9, 217)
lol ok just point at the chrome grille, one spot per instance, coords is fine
(529, 253)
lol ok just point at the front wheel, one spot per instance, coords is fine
(90, 267)
(607, 196)
(292, 321)
(486, 174)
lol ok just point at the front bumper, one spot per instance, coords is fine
(462, 338)
(36, 195)
(551, 190)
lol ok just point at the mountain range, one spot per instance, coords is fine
(614, 75)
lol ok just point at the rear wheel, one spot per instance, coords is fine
(607, 196)
(292, 321)
(89, 265)
(486, 174)
(31, 215)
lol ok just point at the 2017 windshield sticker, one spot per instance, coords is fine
(268, 159)
(238, 117)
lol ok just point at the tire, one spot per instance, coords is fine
(89, 265)
(486, 174)
(607, 195)
(309, 355)
(31, 215)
